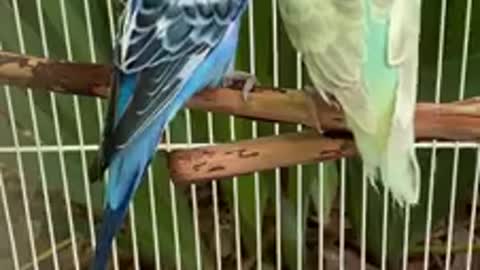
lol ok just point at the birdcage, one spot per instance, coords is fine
(319, 215)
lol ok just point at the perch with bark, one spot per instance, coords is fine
(458, 121)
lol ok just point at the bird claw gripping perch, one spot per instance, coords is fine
(249, 81)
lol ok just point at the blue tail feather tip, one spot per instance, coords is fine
(113, 219)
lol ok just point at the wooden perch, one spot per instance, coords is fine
(452, 121)
(224, 160)
(60, 77)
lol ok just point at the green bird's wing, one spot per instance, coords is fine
(365, 53)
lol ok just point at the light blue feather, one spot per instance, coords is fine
(380, 77)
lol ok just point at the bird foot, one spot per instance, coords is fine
(249, 81)
(327, 97)
(312, 104)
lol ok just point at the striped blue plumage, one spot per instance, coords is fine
(166, 51)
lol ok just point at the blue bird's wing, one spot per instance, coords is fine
(165, 51)
(159, 45)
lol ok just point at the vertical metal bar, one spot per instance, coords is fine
(153, 210)
(133, 229)
(300, 243)
(406, 233)
(385, 229)
(258, 217)
(363, 248)
(173, 201)
(456, 154)
(433, 163)
(321, 214)
(473, 214)
(341, 259)
(193, 192)
(278, 188)
(8, 221)
(216, 214)
(256, 175)
(111, 23)
(236, 210)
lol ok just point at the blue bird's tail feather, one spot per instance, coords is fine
(113, 217)
(126, 172)
(112, 222)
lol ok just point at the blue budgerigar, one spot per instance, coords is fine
(365, 54)
(166, 51)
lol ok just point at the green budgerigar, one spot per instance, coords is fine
(364, 53)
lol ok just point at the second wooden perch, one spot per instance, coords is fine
(220, 161)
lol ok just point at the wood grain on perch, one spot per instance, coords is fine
(458, 121)
(220, 161)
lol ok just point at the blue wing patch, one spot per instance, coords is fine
(153, 58)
